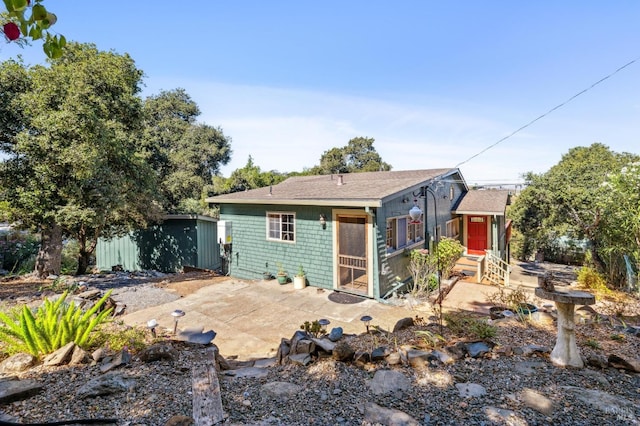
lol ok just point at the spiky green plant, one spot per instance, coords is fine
(51, 326)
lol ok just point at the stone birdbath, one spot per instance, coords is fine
(566, 352)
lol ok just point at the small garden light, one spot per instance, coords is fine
(324, 323)
(366, 319)
(177, 314)
(151, 325)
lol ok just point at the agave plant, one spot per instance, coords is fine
(51, 326)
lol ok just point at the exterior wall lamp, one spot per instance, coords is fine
(323, 220)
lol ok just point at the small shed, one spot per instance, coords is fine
(180, 240)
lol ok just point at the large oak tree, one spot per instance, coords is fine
(70, 131)
(574, 199)
(185, 154)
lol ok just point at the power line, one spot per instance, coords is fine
(547, 113)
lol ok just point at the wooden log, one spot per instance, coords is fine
(207, 400)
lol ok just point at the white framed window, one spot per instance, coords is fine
(402, 232)
(453, 228)
(281, 226)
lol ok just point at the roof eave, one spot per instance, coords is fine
(479, 213)
(328, 203)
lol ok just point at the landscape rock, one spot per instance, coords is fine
(603, 401)
(106, 385)
(375, 414)
(502, 416)
(624, 363)
(251, 372)
(15, 390)
(61, 356)
(336, 334)
(393, 358)
(378, 354)
(325, 344)
(598, 361)
(300, 359)
(283, 351)
(180, 421)
(281, 389)
(531, 349)
(529, 368)
(343, 352)
(443, 357)
(362, 357)
(159, 352)
(478, 349)
(537, 401)
(389, 382)
(304, 346)
(417, 358)
(121, 358)
(457, 351)
(470, 390)
(18, 362)
(403, 323)
(79, 356)
(196, 335)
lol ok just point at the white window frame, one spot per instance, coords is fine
(452, 225)
(396, 234)
(281, 230)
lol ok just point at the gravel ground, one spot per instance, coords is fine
(334, 393)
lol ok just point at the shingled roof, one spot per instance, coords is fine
(367, 189)
(484, 202)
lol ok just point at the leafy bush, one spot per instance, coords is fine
(509, 299)
(462, 324)
(16, 249)
(51, 326)
(422, 267)
(589, 278)
(70, 252)
(117, 336)
(429, 338)
(447, 252)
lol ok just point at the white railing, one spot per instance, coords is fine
(496, 270)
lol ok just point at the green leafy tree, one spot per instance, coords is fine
(358, 155)
(185, 155)
(26, 20)
(248, 177)
(572, 200)
(621, 221)
(72, 167)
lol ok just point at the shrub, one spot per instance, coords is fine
(51, 326)
(448, 251)
(466, 325)
(509, 299)
(18, 248)
(422, 267)
(117, 336)
(429, 338)
(589, 278)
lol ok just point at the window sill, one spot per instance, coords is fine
(402, 250)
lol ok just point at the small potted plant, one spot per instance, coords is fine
(299, 279)
(266, 275)
(282, 275)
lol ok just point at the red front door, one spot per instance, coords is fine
(477, 234)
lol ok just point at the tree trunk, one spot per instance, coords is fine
(86, 249)
(597, 260)
(49, 258)
(83, 262)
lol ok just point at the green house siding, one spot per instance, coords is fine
(166, 247)
(253, 254)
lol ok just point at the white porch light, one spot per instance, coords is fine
(415, 211)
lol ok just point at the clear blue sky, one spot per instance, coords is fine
(433, 82)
